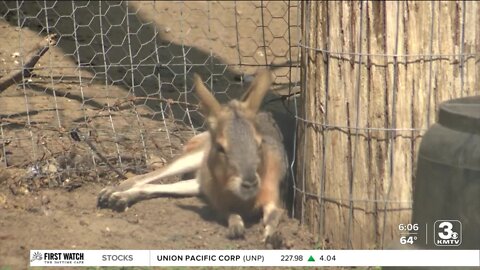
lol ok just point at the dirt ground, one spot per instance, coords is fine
(49, 182)
(59, 219)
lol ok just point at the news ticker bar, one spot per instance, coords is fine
(255, 258)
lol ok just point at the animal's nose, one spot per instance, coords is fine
(251, 181)
(249, 184)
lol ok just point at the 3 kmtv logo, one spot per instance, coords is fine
(447, 233)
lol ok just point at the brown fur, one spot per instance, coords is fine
(239, 162)
(219, 179)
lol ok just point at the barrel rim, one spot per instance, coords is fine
(462, 114)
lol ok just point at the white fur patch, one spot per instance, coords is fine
(184, 188)
(267, 211)
(186, 163)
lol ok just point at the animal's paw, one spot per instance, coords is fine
(274, 240)
(236, 231)
(117, 198)
(111, 198)
(236, 228)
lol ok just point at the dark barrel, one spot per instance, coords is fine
(447, 182)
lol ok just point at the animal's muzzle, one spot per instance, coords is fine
(250, 182)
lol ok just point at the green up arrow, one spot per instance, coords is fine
(311, 259)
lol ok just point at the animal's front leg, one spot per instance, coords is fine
(236, 228)
(271, 219)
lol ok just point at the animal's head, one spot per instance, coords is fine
(235, 156)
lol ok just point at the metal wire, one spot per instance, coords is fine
(80, 82)
(357, 120)
(420, 56)
(343, 127)
(141, 85)
(394, 124)
(27, 109)
(97, 78)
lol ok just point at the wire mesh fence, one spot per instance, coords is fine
(119, 80)
(373, 76)
(114, 95)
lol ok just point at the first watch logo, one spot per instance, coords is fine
(36, 256)
(56, 258)
(447, 233)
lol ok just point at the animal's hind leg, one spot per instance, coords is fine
(196, 150)
(186, 163)
(121, 200)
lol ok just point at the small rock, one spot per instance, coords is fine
(3, 199)
(33, 209)
(15, 54)
(107, 229)
(133, 220)
(167, 29)
(13, 189)
(83, 222)
(45, 199)
(22, 190)
(51, 168)
(4, 175)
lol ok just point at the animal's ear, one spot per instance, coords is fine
(209, 103)
(257, 90)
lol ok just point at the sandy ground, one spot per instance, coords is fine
(59, 219)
